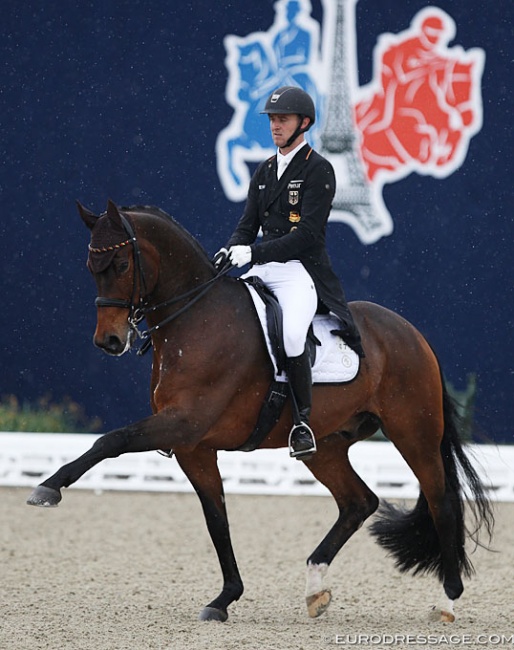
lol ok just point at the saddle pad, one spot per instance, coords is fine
(335, 362)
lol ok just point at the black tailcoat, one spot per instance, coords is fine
(293, 213)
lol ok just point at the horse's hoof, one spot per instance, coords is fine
(44, 497)
(318, 603)
(438, 615)
(212, 614)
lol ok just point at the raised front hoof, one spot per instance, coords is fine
(318, 603)
(44, 497)
(212, 614)
(440, 615)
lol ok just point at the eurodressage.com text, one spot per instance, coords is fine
(487, 640)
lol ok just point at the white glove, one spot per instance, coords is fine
(220, 258)
(240, 255)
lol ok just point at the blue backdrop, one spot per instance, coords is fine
(124, 100)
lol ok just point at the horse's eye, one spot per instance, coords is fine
(121, 266)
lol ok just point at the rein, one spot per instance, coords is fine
(137, 312)
(201, 290)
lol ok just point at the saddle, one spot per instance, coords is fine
(332, 361)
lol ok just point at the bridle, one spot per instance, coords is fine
(138, 311)
(138, 273)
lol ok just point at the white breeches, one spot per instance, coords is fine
(295, 292)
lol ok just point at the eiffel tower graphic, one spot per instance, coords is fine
(353, 201)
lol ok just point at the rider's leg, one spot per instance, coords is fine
(299, 301)
(295, 291)
(302, 443)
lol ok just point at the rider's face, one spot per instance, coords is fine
(282, 128)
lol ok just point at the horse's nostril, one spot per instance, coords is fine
(114, 344)
(110, 344)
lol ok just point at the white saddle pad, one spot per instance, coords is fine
(335, 361)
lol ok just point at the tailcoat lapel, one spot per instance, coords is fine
(293, 169)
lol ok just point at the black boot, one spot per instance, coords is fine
(302, 444)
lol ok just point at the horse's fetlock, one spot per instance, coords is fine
(453, 588)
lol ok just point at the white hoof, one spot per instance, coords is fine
(441, 615)
(317, 596)
(318, 603)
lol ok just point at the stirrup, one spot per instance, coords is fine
(308, 452)
(167, 453)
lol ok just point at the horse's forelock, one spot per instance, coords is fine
(106, 239)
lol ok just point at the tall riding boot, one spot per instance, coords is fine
(302, 444)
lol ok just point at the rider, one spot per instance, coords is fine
(289, 199)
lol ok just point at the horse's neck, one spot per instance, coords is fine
(183, 264)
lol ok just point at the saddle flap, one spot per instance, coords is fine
(273, 319)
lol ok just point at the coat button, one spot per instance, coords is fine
(266, 214)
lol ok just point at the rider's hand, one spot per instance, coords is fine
(220, 258)
(240, 255)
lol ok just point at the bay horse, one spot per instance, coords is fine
(210, 373)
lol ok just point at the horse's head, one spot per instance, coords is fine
(145, 265)
(125, 268)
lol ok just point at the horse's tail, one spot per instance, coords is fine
(411, 537)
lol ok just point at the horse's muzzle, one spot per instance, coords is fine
(113, 344)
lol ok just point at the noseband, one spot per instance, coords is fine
(139, 311)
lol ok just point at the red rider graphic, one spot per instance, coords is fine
(422, 111)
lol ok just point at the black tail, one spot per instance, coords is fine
(411, 537)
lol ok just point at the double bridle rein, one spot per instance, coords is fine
(139, 311)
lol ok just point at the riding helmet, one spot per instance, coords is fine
(291, 100)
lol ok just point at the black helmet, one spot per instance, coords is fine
(291, 100)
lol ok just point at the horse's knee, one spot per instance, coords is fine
(110, 445)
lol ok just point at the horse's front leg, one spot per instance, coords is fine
(201, 468)
(146, 435)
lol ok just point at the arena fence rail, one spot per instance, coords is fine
(26, 459)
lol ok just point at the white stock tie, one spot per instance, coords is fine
(281, 167)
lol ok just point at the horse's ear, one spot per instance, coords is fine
(113, 213)
(88, 217)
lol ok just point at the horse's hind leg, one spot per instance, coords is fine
(430, 538)
(356, 502)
